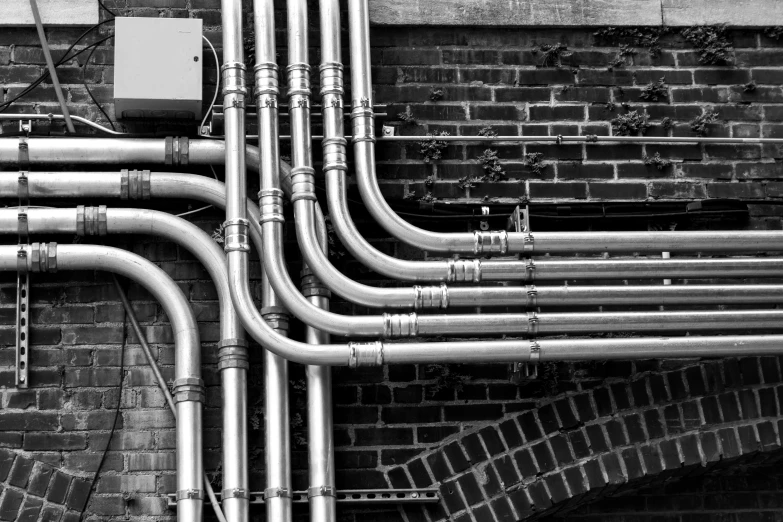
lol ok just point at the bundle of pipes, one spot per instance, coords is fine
(262, 225)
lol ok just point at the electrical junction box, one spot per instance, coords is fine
(157, 68)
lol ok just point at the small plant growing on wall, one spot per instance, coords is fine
(407, 118)
(493, 169)
(657, 161)
(626, 51)
(645, 37)
(218, 234)
(667, 123)
(711, 42)
(749, 87)
(700, 124)
(436, 94)
(467, 182)
(554, 54)
(488, 132)
(446, 378)
(533, 161)
(630, 124)
(655, 91)
(774, 32)
(431, 148)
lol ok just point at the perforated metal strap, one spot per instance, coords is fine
(321, 491)
(190, 494)
(235, 493)
(277, 492)
(21, 259)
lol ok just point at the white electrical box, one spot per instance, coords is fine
(157, 68)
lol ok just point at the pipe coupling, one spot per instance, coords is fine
(235, 493)
(190, 494)
(233, 75)
(135, 184)
(464, 271)
(532, 296)
(321, 491)
(490, 242)
(232, 353)
(276, 317)
(298, 82)
(91, 221)
(331, 79)
(177, 151)
(303, 183)
(431, 297)
(365, 354)
(400, 325)
(277, 492)
(188, 389)
(363, 120)
(43, 257)
(236, 235)
(266, 80)
(532, 323)
(312, 286)
(270, 203)
(335, 154)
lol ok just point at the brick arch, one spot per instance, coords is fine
(617, 437)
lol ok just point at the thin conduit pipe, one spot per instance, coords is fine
(162, 384)
(232, 355)
(187, 360)
(201, 188)
(278, 452)
(501, 242)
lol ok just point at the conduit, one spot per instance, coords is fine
(188, 386)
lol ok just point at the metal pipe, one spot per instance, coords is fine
(58, 90)
(188, 386)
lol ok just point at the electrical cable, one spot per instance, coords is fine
(119, 403)
(189, 212)
(103, 6)
(87, 87)
(217, 86)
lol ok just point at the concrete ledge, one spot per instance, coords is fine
(17, 13)
(577, 13)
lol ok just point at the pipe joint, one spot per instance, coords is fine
(188, 389)
(233, 75)
(43, 257)
(232, 353)
(400, 325)
(267, 81)
(276, 317)
(236, 235)
(490, 242)
(335, 155)
(365, 354)
(298, 84)
(135, 184)
(332, 80)
(235, 493)
(363, 120)
(312, 286)
(303, 184)
(91, 221)
(177, 151)
(270, 203)
(464, 271)
(321, 491)
(277, 493)
(190, 494)
(431, 296)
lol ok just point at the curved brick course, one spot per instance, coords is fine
(612, 439)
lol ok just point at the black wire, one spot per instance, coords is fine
(116, 410)
(65, 58)
(87, 87)
(100, 3)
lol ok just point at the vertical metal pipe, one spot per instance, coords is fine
(58, 90)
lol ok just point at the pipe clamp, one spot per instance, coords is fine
(530, 271)
(190, 494)
(365, 354)
(277, 492)
(188, 389)
(321, 491)
(535, 352)
(236, 235)
(235, 493)
(23, 187)
(532, 323)
(23, 225)
(21, 260)
(532, 296)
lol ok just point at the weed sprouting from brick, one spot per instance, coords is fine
(700, 125)
(631, 124)
(488, 132)
(218, 235)
(534, 162)
(432, 148)
(667, 123)
(467, 182)
(490, 163)
(446, 378)
(657, 161)
(407, 118)
(749, 87)
(655, 91)
(436, 94)
(554, 54)
(631, 37)
(774, 32)
(711, 42)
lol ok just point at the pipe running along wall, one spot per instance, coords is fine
(188, 386)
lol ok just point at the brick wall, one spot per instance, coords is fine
(395, 424)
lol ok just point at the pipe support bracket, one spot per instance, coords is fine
(321, 491)
(235, 493)
(277, 492)
(190, 494)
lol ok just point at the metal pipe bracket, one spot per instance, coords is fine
(321, 491)
(190, 494)
(365, 354)
(277, 492)
(235, 493)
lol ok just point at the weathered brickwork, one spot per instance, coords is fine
(585, 441)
